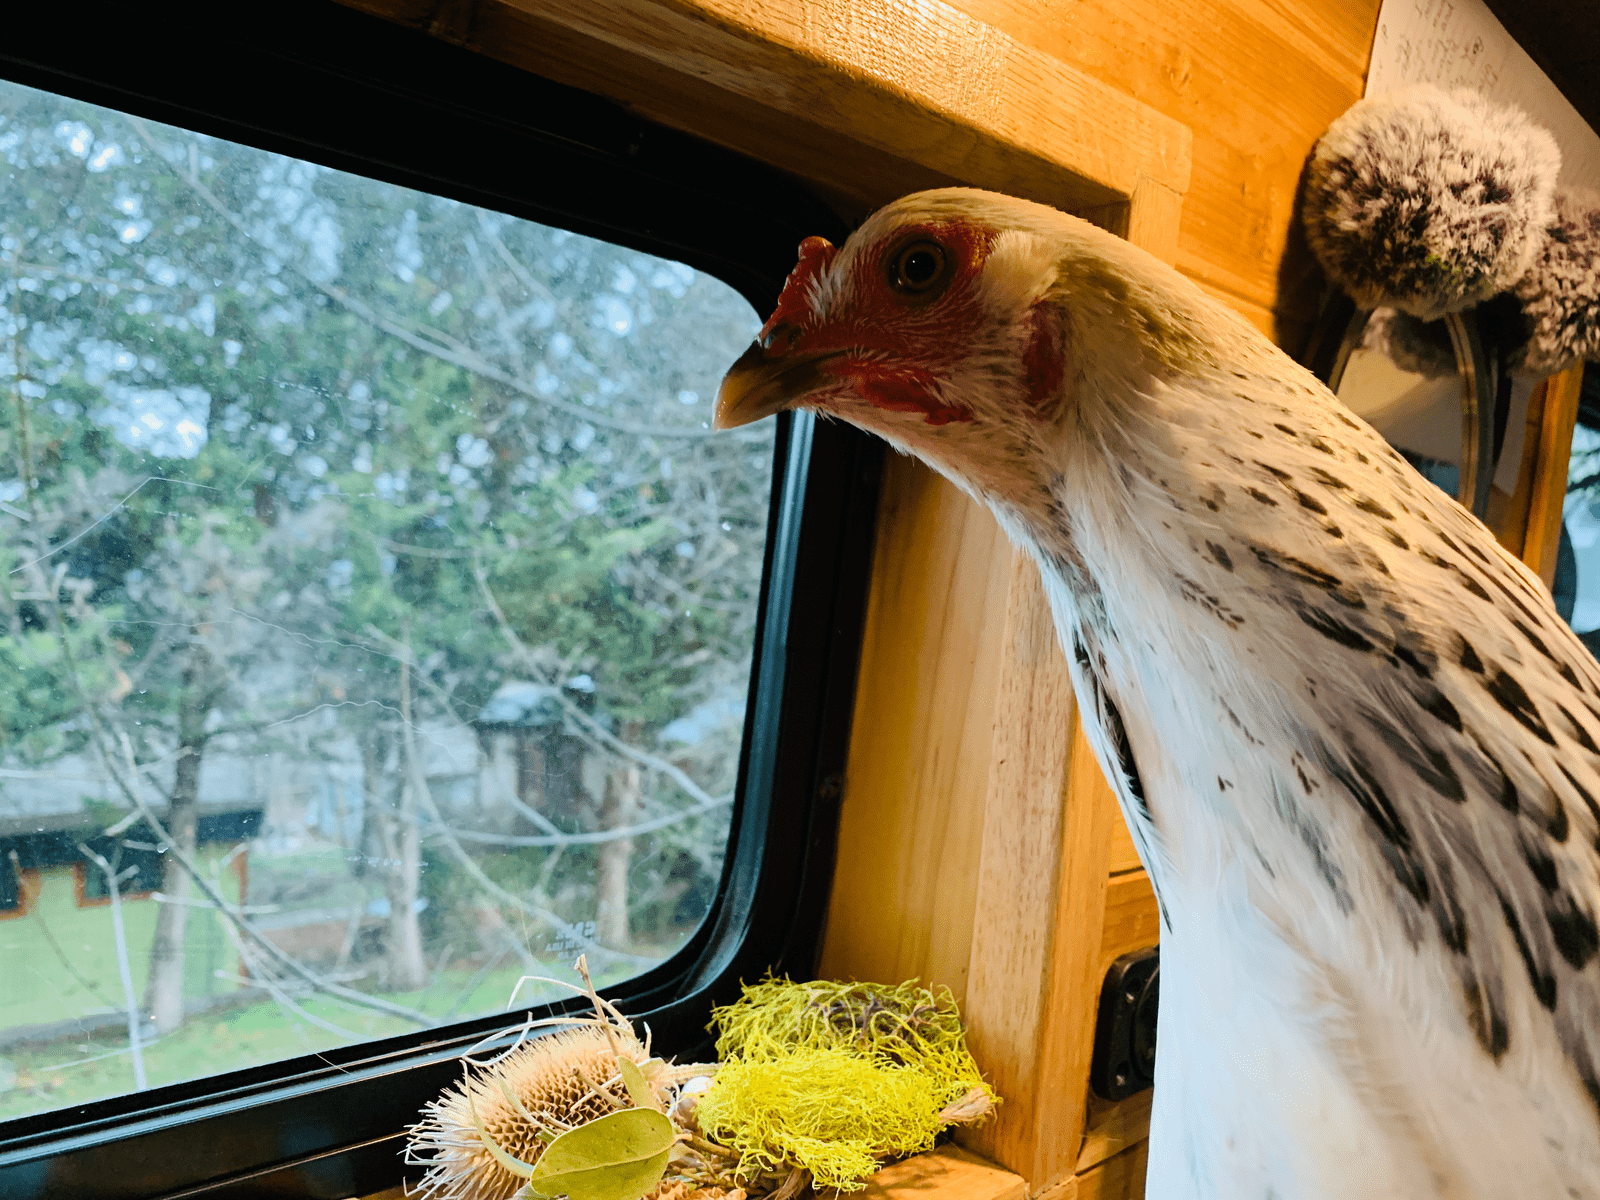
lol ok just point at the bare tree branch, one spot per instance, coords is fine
(262, 975)
(580, 839)
(465, 359)
(470, 866)
(239, 920)
(140, 1083)
(583, 719)
(231, 912)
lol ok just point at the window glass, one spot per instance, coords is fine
(1577, 580)
(377, 607)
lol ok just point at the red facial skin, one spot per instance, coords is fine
(1044, 359)
(890, 348)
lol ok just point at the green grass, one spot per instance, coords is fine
(79, 1069)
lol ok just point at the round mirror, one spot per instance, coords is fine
(1434, 389)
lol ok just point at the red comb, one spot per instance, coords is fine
(816, 254)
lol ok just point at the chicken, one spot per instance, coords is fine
(1355, 744)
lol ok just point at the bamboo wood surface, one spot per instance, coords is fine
(1549, 488)
(1033, 983)
(1123, 855)
(1257, 81)
(1131, 921)
(1118, 1178)
(911, 827)
(1112, 1126)
(950, 1171)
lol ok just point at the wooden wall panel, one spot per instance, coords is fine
(1040, 901)
(911, 829)
(1257, 81)
(1548, 481)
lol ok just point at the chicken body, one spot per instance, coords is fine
(1356, 746)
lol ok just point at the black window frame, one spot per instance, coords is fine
(323, 82)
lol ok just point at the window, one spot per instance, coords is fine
(390, 624)
(1577, 579)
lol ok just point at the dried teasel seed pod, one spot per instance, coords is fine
(550, 1078)
(482, 1137)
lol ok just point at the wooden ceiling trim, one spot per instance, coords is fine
(921, 81)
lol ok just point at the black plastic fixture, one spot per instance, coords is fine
(1125, 1033)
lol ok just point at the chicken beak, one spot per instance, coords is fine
(759, 385)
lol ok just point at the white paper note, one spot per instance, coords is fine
(1460, 43)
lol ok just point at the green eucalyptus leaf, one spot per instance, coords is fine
(638, 1089)
(620, 1156)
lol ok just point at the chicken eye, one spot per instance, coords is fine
(917, 268)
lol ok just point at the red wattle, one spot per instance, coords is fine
(908, 392)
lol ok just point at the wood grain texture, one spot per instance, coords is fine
(948, 1173)
(1508, 515)
(1549, 487)
(1112, 1126)
(1132, 920)
(1123, 855)
(911, 827)
(1154, 217)
(1258, 81)
(1119, 1178)
(1066, 1046)
(924, 80)
(1033, 982)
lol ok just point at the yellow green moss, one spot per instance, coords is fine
(837, 1077)
(825, 1110)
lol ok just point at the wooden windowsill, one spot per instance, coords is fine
(948, 1173)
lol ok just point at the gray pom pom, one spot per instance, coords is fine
(1429, 201)
(1560, 294)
